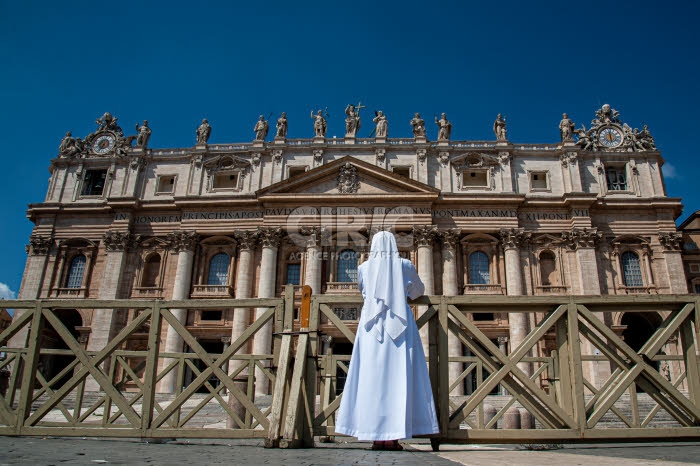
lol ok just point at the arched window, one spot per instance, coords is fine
(548, 265)
(479, 268)
(218, 269)
(631, 271)
(151, 271)
(347, 266)
(76, 271)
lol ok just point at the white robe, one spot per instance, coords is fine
(387, 393)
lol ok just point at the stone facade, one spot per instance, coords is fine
(690, 242)
(243, 219)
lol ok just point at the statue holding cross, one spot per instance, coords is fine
(352, 122)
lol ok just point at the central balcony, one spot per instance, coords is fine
(212, 291)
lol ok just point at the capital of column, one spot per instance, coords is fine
(247, 240)
(277, 156)
(443, 157)
(502, 340)
(450, 237)
(422, 154)
(513, 237)
(315, 236)
(423, 235)
(270, 237)
(380, 155)
(39, 245)
(671, 241)
(226, 340)
(183, 240)
(581, 238)
(504, 158)
(114, 240)
(567, 158)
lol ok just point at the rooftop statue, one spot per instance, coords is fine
(261, 128)
(70, 146)
(352, 121)
(281, 126)
(566, 128)
(609, 134)
(320, 125)
(203, 132)
(418, 125)
(445, 127)
(144, 134)
(382, 123)
(499, 128)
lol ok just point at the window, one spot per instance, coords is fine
(294, 274)
(151, 271)
(166, 184)
(296, 171)
(403, 171)
(479, 268)
(632, 273)
(695, 268)
(538, 181)
(548, 267)
(616, 178)
(475, 179)
(75, 272)
(218, 269)
(94, 182)
(226, 180)
(697, 288)
(211, 315)
(347, 266)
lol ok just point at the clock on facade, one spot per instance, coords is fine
(610, 137)
(103, 143)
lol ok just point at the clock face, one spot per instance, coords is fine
(103, 144)
(610, 137)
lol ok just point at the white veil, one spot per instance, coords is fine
(385, 296)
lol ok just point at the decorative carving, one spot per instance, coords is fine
(348, 180)
(671, 241)
(581, 238)
(423, 235)
(609, 133)
(320, 125)
(566, 128)
(450, 237)
(71, 146)
(144, 134)
(203, 132)
(316, 235)
(246, 239)
(422, 154)
(443, 157)
(514, 237)
(504, 158)
(499, 128)
(444, 127)
(380, 155)
(480, 159)
(39, 245)
(256, 158)
(382, 128)
(226, 340)
(318, 156)
(261, 128)
(114, 240)
(183, 240)
(109, 137)
(270, 236)
(352, 121)
(277, 156)
(418, 125)
(567, 158)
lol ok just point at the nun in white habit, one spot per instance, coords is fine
(387, 393)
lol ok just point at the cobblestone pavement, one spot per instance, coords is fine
(80, 451)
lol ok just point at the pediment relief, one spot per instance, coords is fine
(226, 162)
(348, 176)
(154, 243)
(548, 240)
(475, 160)
(630, 239)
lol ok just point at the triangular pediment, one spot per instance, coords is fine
(347, 176)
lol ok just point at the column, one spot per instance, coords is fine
(105, 321)
(423, 239)
(247, 241)
(315, 238)
(185, 243)
(518, 322)
(450, 238)
(34, 273)
(262, 344)
(671, 243)
(503, 347)
(504, 160)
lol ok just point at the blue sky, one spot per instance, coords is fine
(63, 64)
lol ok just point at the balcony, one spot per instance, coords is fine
(212, 291)
(148, 292)
(637, 289)
(341, 287)
(297, 291)
(472, 288)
